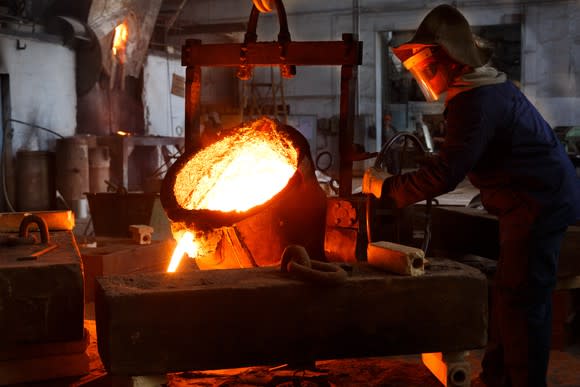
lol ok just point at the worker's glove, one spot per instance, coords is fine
(373, 181)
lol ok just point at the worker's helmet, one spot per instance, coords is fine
(445, 26)
(446, 29)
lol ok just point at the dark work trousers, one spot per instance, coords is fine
(521, 306)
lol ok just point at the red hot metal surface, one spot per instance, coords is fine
(295, 215)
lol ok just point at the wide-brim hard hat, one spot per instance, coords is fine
(446, 27)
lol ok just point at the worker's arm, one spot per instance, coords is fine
(373, 180)
(468, 134)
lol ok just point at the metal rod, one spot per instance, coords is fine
(346, 129)
(332, 53)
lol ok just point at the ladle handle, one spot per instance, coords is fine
(283, 34)
(245, 70)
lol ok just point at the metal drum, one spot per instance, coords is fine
(72, 174)
(99, 164)
(35, 180)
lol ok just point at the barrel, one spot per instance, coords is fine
(35, 180)
(99, 164)
(72, 176)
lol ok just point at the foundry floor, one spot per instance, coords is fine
(398, 371)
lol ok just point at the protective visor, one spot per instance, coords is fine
(430, 74)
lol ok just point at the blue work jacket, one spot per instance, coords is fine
(498, 139)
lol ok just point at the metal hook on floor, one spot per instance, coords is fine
(42, 227)
(295, 260)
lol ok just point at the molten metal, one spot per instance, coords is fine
(243, 170)
(237, 173)
(186, 245)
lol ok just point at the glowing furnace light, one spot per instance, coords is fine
(120, 40)
(237, 173)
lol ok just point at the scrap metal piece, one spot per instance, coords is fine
(40, 223)
(396, 258)
(452, 369)
(295, 260)
(141, 233)
(36, 254)
(28, 221)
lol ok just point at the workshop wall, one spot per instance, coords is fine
(551, 58)
(41, 76)
(162, 99)
(550, 45)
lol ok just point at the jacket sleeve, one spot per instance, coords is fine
(468, 134)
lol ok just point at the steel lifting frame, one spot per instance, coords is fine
(286, 54)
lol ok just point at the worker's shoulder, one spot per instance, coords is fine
(484, 97)
(506, 88)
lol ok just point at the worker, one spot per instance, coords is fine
(498, 139)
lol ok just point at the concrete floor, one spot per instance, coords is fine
(395, 371)
(406, 371)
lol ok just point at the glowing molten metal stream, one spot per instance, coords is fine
(187, 245)
(237, 173)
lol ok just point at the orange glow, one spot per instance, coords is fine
(239, 172)
(122, 133)
(430, 74)
(449, 369)
(243, 170)
(120, 40)
(186, 245)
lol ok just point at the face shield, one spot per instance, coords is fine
(430, 73)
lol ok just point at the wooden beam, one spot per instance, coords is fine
(169, 322)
